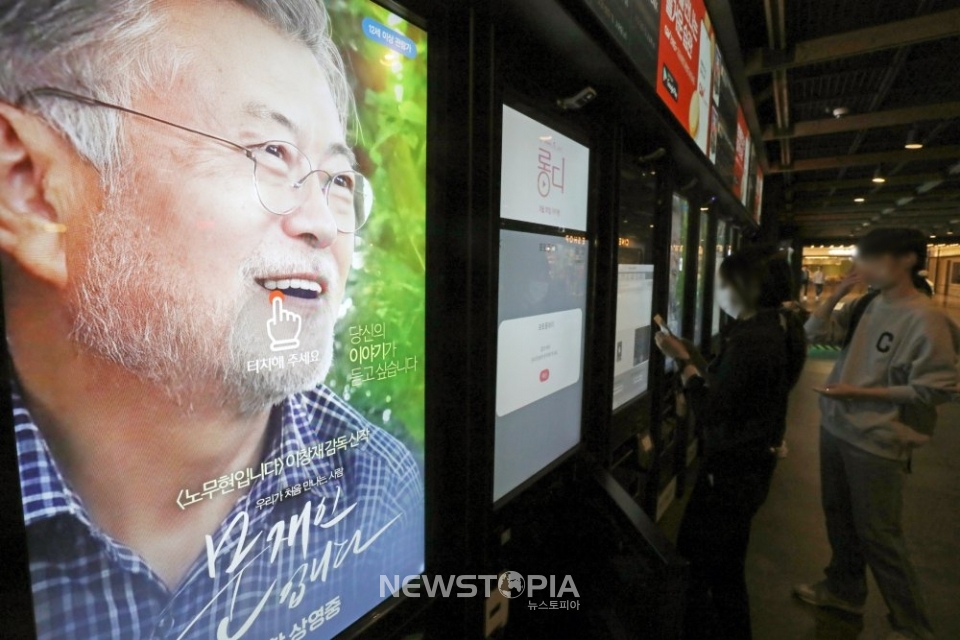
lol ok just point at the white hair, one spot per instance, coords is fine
(107, 49)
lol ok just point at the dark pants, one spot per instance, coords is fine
(714, 536)
(863, 501)
(819, 289)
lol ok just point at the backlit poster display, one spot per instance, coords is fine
(674, 47)
(631, 362)
(542, 177)
(723, 150)
(679, 228)
(214, 303)
(635, 25)
(542, 311)
(683, 75)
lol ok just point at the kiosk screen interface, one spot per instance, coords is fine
(213, 288)
(543, 303)
(542, 299)
(631, 359)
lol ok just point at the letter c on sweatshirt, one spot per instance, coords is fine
(883, 344)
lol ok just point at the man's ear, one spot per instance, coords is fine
(32, 229)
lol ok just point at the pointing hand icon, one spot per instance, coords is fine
(283, 327)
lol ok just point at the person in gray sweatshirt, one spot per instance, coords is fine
(899, 361)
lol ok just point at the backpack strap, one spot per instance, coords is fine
(860, 307)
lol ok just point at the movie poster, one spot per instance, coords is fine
(212, 242)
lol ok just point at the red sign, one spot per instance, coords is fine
(683, 29)
(740, 159)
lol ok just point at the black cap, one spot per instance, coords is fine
(895, 242)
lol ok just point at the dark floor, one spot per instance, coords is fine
(789, 542)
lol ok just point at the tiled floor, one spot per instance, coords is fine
(789, 542)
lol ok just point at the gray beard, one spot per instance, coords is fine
(131, 308)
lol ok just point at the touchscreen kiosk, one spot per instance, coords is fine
(701, 278)
(721, 253)
(216, 338)
(679, 227)
(633, 327)
(542, 302)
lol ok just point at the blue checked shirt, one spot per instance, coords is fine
(300, 555)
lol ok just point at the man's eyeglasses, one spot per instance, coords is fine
(281, 171)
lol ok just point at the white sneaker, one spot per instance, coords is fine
(820, 596)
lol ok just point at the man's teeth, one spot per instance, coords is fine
(293, 283)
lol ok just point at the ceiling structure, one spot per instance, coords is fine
(839, 87)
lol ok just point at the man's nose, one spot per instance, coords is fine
(313, 221)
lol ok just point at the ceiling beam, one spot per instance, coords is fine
(893, 35)
(864, 183)
(887, 198)
(863, 159)
(865, 212)
(859, 122)
(856, 221)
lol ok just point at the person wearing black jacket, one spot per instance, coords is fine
(740, 400)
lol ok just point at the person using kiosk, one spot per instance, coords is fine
(740, 400)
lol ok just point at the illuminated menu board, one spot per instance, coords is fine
(673, 45)
(218, 387)
(635, 25)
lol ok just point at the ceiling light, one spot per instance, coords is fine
(913, 140)
(930, 185)
(933, 236)
(704, 208)
(859, 199)
(878, 177)
(904, 201)
(839, 112)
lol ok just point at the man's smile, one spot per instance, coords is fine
(307, 287)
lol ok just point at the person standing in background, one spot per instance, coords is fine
(818, 278)
(898, 362)
(805, 281)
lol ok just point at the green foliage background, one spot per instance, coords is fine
(387, 283)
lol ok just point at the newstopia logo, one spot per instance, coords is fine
(509, 583)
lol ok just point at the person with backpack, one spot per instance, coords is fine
(899, 360)
(740, 400)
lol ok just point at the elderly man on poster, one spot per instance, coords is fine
(177, 207)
